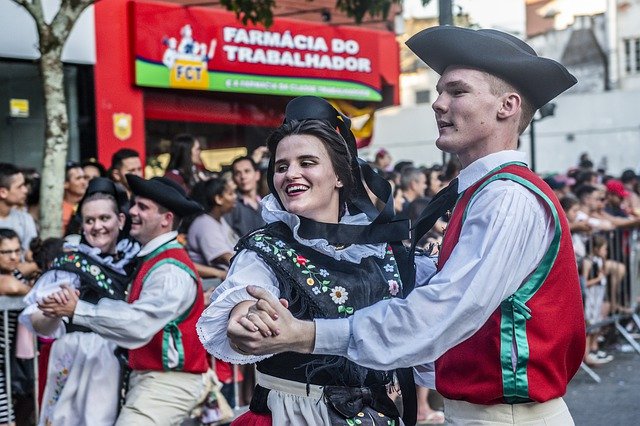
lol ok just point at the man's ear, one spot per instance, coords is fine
(115, 175)
(167, 219)
(3, 192)
(511, 105)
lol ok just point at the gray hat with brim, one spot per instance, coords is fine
(498, 53)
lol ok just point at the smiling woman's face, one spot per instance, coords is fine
(305, 180)
(101, 224)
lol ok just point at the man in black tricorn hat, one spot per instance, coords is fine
(502, 316)
(157, 322)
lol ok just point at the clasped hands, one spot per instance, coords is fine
(61, 303)
(268, 327)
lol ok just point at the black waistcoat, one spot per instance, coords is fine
(96, 280)
(318, 286)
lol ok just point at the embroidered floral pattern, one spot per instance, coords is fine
(62, 366)
(82, 264)
(368, 418)
(339, 295)
(394, 287)
(319, 280)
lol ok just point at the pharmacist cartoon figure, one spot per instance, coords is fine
(188, 49)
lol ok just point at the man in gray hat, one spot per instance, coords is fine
(157, 322)
(502, 316)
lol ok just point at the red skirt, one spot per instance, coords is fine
(43, 365)
(252, 419)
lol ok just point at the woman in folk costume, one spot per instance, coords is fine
(83, 379)
(325, 249)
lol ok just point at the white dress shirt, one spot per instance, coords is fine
(167, 292)
(503, 239)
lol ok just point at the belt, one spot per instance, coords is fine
(348, 401)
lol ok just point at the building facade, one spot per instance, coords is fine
(139, 72)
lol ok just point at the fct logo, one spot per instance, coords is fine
(188, 60)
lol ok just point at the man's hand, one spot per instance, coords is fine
(60, 304)
(269, 328)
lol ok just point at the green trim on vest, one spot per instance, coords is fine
(167, 246)
(514, 311)
(171, 329)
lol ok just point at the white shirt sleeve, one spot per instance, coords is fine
(247, 269)
(166, 294)
(47, 284)
(503, 239)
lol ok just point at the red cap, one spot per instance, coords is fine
(616, 187)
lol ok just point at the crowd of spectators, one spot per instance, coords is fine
(602, 210)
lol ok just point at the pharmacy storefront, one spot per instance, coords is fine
(162, 69)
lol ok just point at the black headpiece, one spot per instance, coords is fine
(314, 108)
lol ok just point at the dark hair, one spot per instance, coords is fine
(333, 142)
(206, 191)
(8, 234)
(400, 165)
(628, 176)
(567, 202)
(33, 196)
(245, 158)
(7, 172)
(70, 166)
(100, 196)
(44, 252)
(120, 155)
(180, 157)
(91, 162)
(584, 190)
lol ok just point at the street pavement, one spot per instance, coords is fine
(615, 400)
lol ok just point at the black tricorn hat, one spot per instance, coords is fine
(165, 192)
(498, 53)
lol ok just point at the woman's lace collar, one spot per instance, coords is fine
(126, 248)
(272, 212)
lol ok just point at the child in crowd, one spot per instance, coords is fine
(594, 271)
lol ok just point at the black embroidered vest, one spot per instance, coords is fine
(318, 286)
(96, 280)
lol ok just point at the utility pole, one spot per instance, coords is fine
(446, 14)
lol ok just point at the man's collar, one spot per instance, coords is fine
(479, 168)
(157, 242)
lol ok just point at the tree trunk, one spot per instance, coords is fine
(55, 148)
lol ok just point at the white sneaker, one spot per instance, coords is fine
(593, 359)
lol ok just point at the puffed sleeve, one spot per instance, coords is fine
(47, 284)
(246, 269)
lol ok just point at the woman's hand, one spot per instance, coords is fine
(267, 327)
(61, 303)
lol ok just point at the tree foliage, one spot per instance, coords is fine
(261, 11)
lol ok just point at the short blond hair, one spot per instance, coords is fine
(498, 86)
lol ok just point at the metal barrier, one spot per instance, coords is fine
(624, 284)
(7, 304)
